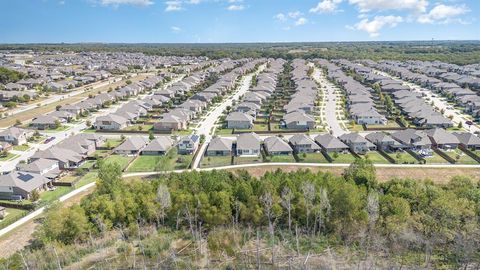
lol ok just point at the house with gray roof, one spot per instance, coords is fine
(158, 146)
(131, 146)
(15, 135)
(239, 120)
(330, 143)
(46, 122)
(357, 143)
(414, 139)
(298, 120)
(219, 146)
(442, 139)
(383, 141)
(20, 185)
(248, 144)
(302, 143)
(275, 146)
(110, 122)
(188, 144)
(47, 167)
(67, 159)
(468, 140)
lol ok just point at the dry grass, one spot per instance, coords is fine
(437, 175)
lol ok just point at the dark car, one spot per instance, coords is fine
(469, 123)
(49, 140)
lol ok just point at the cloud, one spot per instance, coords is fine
(373, 27)
(416, 6)
(280, 17)
(126, 2)
(176, 29)
(442, 14)
(326, 6)
(294, 14)
(174, 5)
(236, 7)
(301, 21)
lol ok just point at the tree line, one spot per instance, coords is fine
(422, 222)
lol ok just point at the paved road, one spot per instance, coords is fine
(40, 210)
(207, 126)
(440, 103)
(7, 166)
(330, 109)
(56, 98)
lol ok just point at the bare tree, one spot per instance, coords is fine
(267, 201)
(163, 198)
(309, 195)
(287, 196)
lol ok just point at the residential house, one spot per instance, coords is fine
(442, 139)
(46, 167)
(468, 140)
(110, 122)
(158, 146)
(46, 122)
(357, 143)
(219, 146)
(239, 120)
(330, 143)
(248, 144)
(277, 146)
(188, 144)
(131, 146)
(302, 143)
(20, 185)
(15, 135)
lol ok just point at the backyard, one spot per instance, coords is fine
(171, 161)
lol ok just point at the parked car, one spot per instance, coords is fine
(49, 140)
(469, 122)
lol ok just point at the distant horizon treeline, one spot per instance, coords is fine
(458, 52)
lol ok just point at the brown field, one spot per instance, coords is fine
(27, 116)
(438, 175)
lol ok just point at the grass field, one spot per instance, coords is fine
(208, 161)
(8, 157)
(23, 147)
(11, 215)
(460, 157)
(376, 157)
(342, 158)
(246, 160)
(280, 158)
(403, 158)
(435, 159)
(312, 158)
(87, 178)
(121, 160)
(112, 143)
(172, 161)
(50, 196)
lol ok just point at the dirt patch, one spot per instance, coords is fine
(437, 175)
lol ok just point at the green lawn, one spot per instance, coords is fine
(11, 215)
(23, 147)
(208, 161)
(171, 161)
(435, 159)
(223, 131)
(139, 127)
(101, 153)
(121, 160)
(460, 157)
(312, 158)
(112, 143)
(88, 164)
(376, 157)
(8, 157)
(87, 178)
(50, 196)
(403, 158)
(246, 160)
(54, 130)
(342, 158)
(280, 158)
(68, 179)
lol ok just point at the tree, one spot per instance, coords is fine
(34, 196)
(57, 123)
(287, 197)
(164, 200)
(362, 172)
(110, 177)
(151, 136)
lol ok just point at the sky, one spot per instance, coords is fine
(232, 21)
